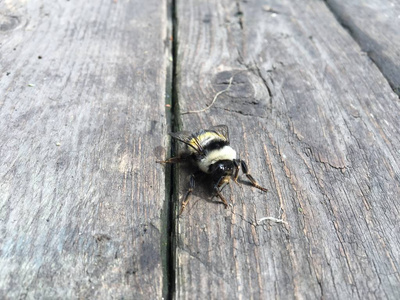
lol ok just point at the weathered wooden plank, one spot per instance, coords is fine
(82, 120)
(318, 124)
(375, 25)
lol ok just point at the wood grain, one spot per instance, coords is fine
(375, 26)
(82, 120)
(317, 123)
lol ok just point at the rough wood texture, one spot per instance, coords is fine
(318, 125)
(82, 120)
(375, 26)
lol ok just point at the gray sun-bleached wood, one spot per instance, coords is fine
(82, 120)
(375, 26)
(318, 124)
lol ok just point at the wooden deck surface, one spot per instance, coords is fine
(88, 93)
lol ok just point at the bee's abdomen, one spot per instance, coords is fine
(208, 140)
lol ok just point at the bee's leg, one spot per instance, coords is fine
(173, 160)
(188, 193)
(252, 180)
(236, 163)
(221, 197)
(218, 189)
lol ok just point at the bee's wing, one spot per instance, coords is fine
(188, 138)
(222, 131)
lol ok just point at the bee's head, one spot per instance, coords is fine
(222, 168)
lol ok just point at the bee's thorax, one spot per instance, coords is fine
(213, 156)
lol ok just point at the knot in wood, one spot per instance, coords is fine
(8, 23)
(241, 86)
(246, 95)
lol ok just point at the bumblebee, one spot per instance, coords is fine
(210, 150)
